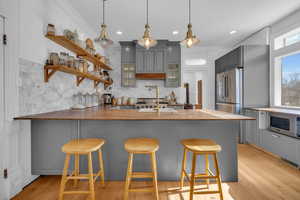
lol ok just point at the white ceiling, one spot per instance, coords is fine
(212, 19)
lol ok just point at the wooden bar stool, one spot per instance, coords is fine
(141, 146)
(207, 148)
(82, 147)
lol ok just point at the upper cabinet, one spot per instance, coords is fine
(152, 60)
(160, 62)
(128, 66)
(231, 60)
(128, 52)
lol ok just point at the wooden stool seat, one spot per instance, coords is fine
(141, 145)
(201, 145)
(83, 146)
(78, 147)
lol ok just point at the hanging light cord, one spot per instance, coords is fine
(147, 11)
(190, 11)
(103, 8)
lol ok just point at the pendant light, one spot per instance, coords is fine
(103, 39)
(190, 39)
(147, 41)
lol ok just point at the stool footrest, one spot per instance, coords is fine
(142, 175)
(76, 192)
(141, 189)
(208, 192)
(200, 176)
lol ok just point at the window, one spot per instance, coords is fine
(287, 39)
(290, 80)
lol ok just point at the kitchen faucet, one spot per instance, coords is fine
(150, 87)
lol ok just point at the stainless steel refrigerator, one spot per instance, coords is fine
(242, 79)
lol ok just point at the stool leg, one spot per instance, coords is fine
(91, 177)
(101, 165)
(192, 184)
(128, 176)
(154, 170)
(76, 169)
(206, 169)
(218, 175)
(64, 177)
(183, 168)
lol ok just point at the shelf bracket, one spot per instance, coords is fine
(96, 83)
(79, 80)
(48, 73)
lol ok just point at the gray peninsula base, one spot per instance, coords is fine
(48, 136)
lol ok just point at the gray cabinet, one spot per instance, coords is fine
(252, 131)
(231, 60)
(173, 67)
(298, 154)
(159, 61)
(150, 61)
(281, 145)
(164, 58)
(128, 75)
(128, 66)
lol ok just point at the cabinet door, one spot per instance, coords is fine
(128, 54)
(128, 75)
(289, 148)
(252, 131)
(281, 145)
(159, 62)
(298, 153)
(139, 61)
(271, 142)
(173, 54)
(148, 62)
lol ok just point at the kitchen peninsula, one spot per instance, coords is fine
(51, 130)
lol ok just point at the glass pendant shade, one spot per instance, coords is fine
(103, 39)
(147, 42)
(190, 39)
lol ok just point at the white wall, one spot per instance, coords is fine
(25, 91)
(192, 74)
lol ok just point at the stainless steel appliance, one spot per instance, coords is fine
(229, 90)
(285, 124)
(242, 79)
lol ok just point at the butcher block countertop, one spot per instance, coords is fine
(99, 113)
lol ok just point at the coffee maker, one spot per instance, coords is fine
(107, 98)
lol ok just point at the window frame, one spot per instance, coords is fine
(275, 55)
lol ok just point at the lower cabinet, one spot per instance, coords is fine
(281, 145)
(286, 147)
(252, 131)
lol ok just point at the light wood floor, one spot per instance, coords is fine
(262, 177)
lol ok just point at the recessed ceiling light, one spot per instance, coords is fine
(119, 32)
(232, 32)
(175, 32)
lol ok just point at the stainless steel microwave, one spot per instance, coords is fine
(285, 124)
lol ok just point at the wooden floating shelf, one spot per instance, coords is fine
(80, 52)
(154, 76)
(49, 70)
